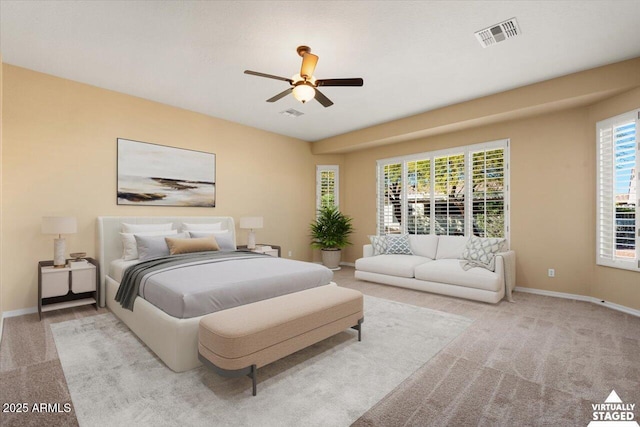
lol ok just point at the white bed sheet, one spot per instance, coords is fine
(117, 267)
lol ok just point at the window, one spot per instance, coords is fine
(455, 192)
(327, 178)
(618, 228)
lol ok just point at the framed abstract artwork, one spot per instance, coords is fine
(158, 175)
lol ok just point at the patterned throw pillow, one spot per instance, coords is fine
(398, 244)
(379, 244)
(481, 252)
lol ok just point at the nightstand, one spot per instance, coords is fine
(272, 250)
(71, 286)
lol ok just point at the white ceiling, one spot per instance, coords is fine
(413, 56)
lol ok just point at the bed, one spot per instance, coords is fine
(174, 340)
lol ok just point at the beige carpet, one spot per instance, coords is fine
(114, 380)
(485, 383)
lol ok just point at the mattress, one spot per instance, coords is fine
(117, 267)
(199, 288)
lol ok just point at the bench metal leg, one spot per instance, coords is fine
(254, 378)
(358, 328)
(250, 371)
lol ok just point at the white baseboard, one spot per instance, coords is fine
(348, 264)
(611, 305)
(20, 312)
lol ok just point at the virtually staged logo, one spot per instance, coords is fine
(613, 413)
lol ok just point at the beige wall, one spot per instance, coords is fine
(552, 197)
(59, 158)
(56, 131)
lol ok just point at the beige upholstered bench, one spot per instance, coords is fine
(240, 340)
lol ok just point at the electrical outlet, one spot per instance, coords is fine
(290, 254)
(552, 272)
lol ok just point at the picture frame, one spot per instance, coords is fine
(158, 175)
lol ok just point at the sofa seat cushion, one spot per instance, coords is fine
(392, 265)
(450, 271)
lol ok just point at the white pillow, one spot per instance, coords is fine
(130, 248)
(135, 228)
(451, 247)
(201, 227)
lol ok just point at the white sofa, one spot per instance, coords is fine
(435, 267)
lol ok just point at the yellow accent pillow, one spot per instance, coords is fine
(184, 246)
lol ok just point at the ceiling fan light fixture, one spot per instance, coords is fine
(304, 92)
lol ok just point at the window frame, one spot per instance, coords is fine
(336, 185)
(611, 123)
(467, 151)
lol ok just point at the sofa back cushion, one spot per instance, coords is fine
(451, 247)
(424, 245)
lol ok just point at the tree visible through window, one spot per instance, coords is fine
(326, 186)
(457, 192)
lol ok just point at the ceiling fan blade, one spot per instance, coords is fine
(326, 102)
(280, 95)
(269, 76)
(340, 82)
(309, 62)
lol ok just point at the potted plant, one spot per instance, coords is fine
(330, 233)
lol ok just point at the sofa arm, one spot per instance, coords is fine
(508, 261)
(367, 251)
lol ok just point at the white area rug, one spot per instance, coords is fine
(115, 380)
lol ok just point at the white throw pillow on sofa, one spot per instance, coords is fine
(481, 252)
(451, 247)
(425, 245)
(379, 244)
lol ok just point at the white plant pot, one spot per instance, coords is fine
(331, 258)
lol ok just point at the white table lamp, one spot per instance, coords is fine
(59, 225)
(251, 223)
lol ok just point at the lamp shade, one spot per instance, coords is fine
(251, 222)
(304, 92)
(59, 225)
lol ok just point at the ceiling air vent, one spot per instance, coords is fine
(498, 33)
(291, 113)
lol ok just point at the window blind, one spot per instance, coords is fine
(390, 198)
(327, 180)
(618, 228)
(450, 192)
(488, 193)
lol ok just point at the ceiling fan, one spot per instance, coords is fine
(304, 86)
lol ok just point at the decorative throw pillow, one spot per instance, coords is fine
(130, 247)
(379, 244)
(184, 246)
(481, 252)
(153, 246)
(224, 238)
(398, 244)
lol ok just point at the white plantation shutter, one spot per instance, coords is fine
(450, 192)
(389, 198)
(617, 210)
(488, 191)
(419, 196)
(327, 186)
(449, 195)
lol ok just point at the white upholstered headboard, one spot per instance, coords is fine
(109, 242)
